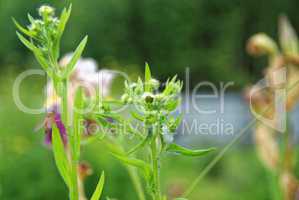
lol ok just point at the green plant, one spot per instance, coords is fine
(154, 124)
(278, 159)
(43, 37)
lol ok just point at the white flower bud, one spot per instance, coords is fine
(46, 10)
(154, 83)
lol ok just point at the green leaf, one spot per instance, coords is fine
(37, 53)
(137, 116)
(31, 19)
(147, 78)
(287, 36)
(168, 89)
(140, 145)
(180, 198)
(98, 191)
(22, 29)
(77, 54)
(188, 152)
(64, 17)
(61, 160)
(178, 120)
(26, 42)
(140, 164)
(42, 61)
(173, 123)
(113, 148)
(172, 104)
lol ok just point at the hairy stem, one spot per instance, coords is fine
(156, 170)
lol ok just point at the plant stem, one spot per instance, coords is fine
(81, 190)
(156, 170)
(64, 88)
(73, 187)
(136, 182)
(74, 193)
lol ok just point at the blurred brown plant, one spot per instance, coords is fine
(279, 162)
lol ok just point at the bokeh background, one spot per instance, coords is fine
(208, 36)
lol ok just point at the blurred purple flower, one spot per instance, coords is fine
(54, 118)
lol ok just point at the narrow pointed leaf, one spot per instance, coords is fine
(42, 61)
(22, 29)
(131, 161)
(31, 19)
(26, 42)
(188, 152)
(98, 191)
(137, 116)
(287, 36)
(140, 164)
(64, 17)
(139, 146)
(37, 53)
(113, 148)
(60, 155)
(77, 54)
(171, 105)
(147, 78)
(178, 120)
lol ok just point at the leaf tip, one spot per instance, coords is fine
(70, 8)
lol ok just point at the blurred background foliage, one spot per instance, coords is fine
(208, 36)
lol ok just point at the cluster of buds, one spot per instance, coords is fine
(44, 31)
(152, 99)
(286, 57)
(43, 37)
(155, 107)
(49, 23)
(154, 111)
(135, 92)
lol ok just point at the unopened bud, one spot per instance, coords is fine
(46, 11)
(148, 97)
(154, 83)
(261, 44)
(125, 98)
(84, 170)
